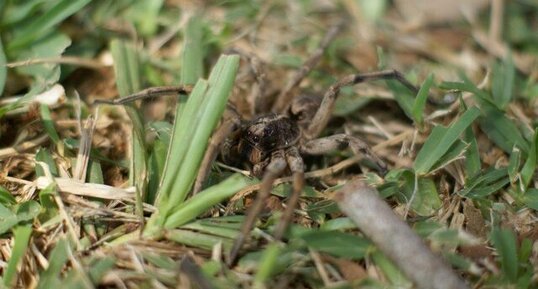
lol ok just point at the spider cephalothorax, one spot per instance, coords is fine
(254, 141)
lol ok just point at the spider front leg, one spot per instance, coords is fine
(323, 114)
(341, 141)
(274, 169)
(296, 164)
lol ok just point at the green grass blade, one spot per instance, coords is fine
(441, 139)
(206, 199)
(6, 198)
(472, 155)
(48, 124)
(421, 192)
(21, 235)
(505, 243)
(502, 130)
(485, 183)
(213, 103)
(220, 86)
(212, 229)
(192, 67)
(514, 164)
(183, 131)
(267, 265)
(337, 243)
(391, 272)
(197, 240)
(497, 126)
(44, 155)
(420, 100)
(403, 97)
(50, 278)
(190, 137)
(503, 77)
(8, 219)
(45, 22)
(528, 170)
(127, 72)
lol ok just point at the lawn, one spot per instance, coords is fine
(117, 118)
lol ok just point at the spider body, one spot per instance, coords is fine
(254, 141)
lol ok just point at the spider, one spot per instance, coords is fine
(271, 143)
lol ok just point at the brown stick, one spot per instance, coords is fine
(395, 238)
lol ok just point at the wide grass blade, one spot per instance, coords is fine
(50, 278)
(494, 122)
(267, 265)
(505, 243)
(193, 133)
(48, 123)
(529, 168)
(337, 243)
(199, 203)
(472, 155)
(420, 101)
(21, 235)
(190, 137)
(197, 240)
(45, 22)
(502, 84)
(127, 72)
(192, 67)
(441, 139)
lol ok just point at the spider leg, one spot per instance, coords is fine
(283, 99)
(342, 141)
(272, 171)
(296, 165)
(228, 125)
(259, 91)
(323, 114)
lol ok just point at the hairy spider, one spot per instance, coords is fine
(271, 143)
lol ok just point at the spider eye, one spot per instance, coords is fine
(255, 138)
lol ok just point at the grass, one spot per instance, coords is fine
(461, 172)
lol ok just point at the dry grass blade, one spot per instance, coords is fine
(75, 187)
(27, 145)
(83, 156)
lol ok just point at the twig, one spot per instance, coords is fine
(395, 238)
(147, 93)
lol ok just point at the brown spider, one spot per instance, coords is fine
(273, 142)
